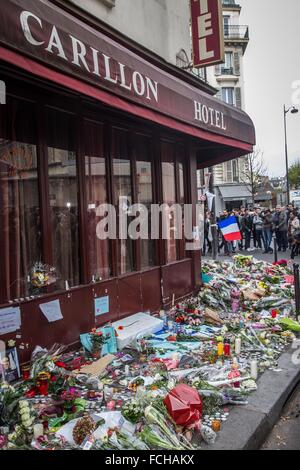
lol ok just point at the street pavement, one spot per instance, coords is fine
(286, 433)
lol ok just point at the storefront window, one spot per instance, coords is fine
(96, 191)
(142, 156)
(169, 197)
(123, 196)
(20, 228)
(63, 195)
(182, 194)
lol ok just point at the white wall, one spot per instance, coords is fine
(160, 25)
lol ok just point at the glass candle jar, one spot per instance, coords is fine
(26, 372)
(43, 383)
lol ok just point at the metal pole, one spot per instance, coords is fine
(275, 249)
(285, 111)
(297, 288)
(214, 228)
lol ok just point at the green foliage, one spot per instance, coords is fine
(294, 174)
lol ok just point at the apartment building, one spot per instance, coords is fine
(229, 79)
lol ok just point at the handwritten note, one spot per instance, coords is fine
(10, 320)
(102, 305)
(52, 311)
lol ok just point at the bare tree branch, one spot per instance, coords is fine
(254, 172)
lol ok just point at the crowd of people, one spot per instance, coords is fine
(258, 226)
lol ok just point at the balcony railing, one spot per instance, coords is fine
(230, 4)
(236, 32)
(227, 71)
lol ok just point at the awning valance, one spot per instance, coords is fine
(45, 40)
(235, 192)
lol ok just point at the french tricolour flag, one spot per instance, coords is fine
(230, 229)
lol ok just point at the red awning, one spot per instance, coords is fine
(114, 101)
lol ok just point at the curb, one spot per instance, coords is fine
(248, 426)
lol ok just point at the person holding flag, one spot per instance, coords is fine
(230, 230)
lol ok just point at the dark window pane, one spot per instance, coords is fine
(96, 190)
(63, 189)
(20, 230)
(123, 190)
(141, 149)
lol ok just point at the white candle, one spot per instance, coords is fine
(38, 430)
(238, 345)
(254, 371)
(173, 300)
(67, 285)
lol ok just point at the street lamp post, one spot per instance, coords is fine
(293, 110)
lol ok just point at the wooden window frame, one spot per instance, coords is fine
(44, 95)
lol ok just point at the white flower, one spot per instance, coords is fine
(11, 445)
(12, 436)
(23, 404)
(27, 423)
(25, 416)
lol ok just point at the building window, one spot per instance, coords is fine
(229, 172)
(63, 194)
(20, 225)
(173, 179)
(235, 171)
(228, 95)
(226, 23)
(144, 185)
(96, 194)
(122, 188)
(182, 60)
(227, 67)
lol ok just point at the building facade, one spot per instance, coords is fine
(228, 78)
(95, 117)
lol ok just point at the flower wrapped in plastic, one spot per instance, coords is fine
(42, 275)
(184, 405)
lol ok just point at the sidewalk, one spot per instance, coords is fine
(258, 254)
(248, 427)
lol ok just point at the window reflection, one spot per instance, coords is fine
(20, 228)
(96, 189)
(63, 189)
(123, 192)
(142, 155)
(169, 197)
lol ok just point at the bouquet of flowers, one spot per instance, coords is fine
(42, 275)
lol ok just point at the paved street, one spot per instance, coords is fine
(286, 434)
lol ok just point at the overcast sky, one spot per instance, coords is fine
(272, 64)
